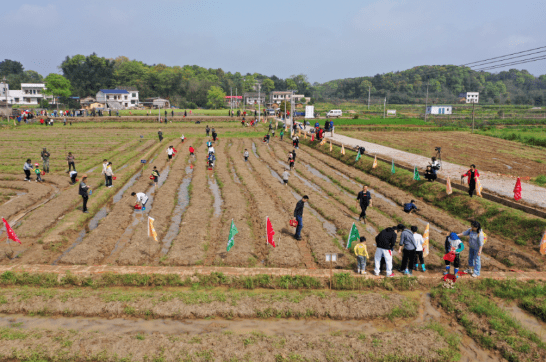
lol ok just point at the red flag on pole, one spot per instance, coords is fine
(312, 137)
(517, 190)
(11, 233)
(270, 232)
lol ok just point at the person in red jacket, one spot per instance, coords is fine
(192, 150)
(471, 174)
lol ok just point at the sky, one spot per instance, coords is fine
(325, 40)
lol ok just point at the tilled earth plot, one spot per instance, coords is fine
(193, 207)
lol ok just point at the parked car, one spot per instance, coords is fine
(334, 113)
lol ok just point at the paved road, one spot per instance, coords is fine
(502, 185)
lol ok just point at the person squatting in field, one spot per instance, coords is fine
(298, 214)
(141, 199)
(73, 174)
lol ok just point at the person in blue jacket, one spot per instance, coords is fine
(453, 243)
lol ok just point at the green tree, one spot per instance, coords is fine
(268, 85)
(215, 97)
(88, 74)
(291, 84)
(57, 86)
(10, 67)
(285, 106)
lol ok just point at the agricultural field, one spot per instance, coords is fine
(221, 317)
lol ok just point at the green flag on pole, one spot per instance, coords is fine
(416, 174)
(353, 236)
(232, 231)
(358, 155)
(393, 171)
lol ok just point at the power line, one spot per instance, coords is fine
(503, 60)
(529, 60)
(502, 56)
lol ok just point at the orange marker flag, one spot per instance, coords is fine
(342, 150)
(374, 162)
(330, 146)
(323, 141)
(426, 241)
(449, 190)
(479, 187)
(151, 229)
(543, 244)
(305, 135)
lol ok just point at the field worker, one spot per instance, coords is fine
(410, 207)
(214, 135)
(281, 133)
(361, 252)
(155, 174)
(27, 167)
(364, 198)
(385, 241)
(108, 174)
(73, 174)
(182, 138)
(209, 143)
(246, 154)
(170, 152)
(70, 159)
(472, 174)
(453, 243)
(294, 155)
(211, 149)
(419, 241)
(104, 166)
(298, 214)
(141, 199)
(266, 138)
(45, 158)
(160, 134)
(434, 164)
(475, 242)
(285, 176)
(192, 151)
(430, 175)
(211, 158)
(84, 192)
(38, 173)
(408, 255)
(291, 161)
(331, 128)
(207, 130)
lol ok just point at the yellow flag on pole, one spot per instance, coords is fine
(426, 241)
(449, 190)
(479, 187)
(305, 135)
(342, 150)
(323, 141)
(374, 162)
(543, 244)
(151, 229)
(331, 146)
(299, 132)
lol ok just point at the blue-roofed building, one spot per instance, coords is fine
(119, 98)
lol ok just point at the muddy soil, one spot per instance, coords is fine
(34, 193)
(141, 248)
(264, 203)
(99, 244)
(496, 248)
(314, 235)
(190, 305)
(236, 207)
(188, 248)
(500, 156)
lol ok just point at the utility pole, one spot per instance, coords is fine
(384, 105)
(369, 90)
(236, 99)
(473, 104)
(426, 105)
(259, 103)
(230, 100)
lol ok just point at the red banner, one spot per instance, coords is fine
(11, 233)
(270, 232)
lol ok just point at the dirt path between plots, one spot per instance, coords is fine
(496, 248)
(319, 240)
(141, 248)
(102, 241)
(266, 203)
(236, 208)
(35, 194)
(180, 305)
(188, 248)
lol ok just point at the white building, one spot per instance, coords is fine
(118, 98)
(440, 110)
(280, 96)
(470, 97)
(30, 94)
(251, 98)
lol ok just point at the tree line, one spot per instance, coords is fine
(191, 86)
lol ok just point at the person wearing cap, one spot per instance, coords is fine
(408, 256)
(453, 243)
(45, 158)
(38, 172)
(361, 252)
(298, 214)
(84, 192)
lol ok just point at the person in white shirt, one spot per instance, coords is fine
(285, 176)
(104, 165)
(182, 138)
(211, 149)
(419, 241)
(245, 155)
(170, 152)
(73, 174)
(141, 199)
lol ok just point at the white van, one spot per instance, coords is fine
(334, 113)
